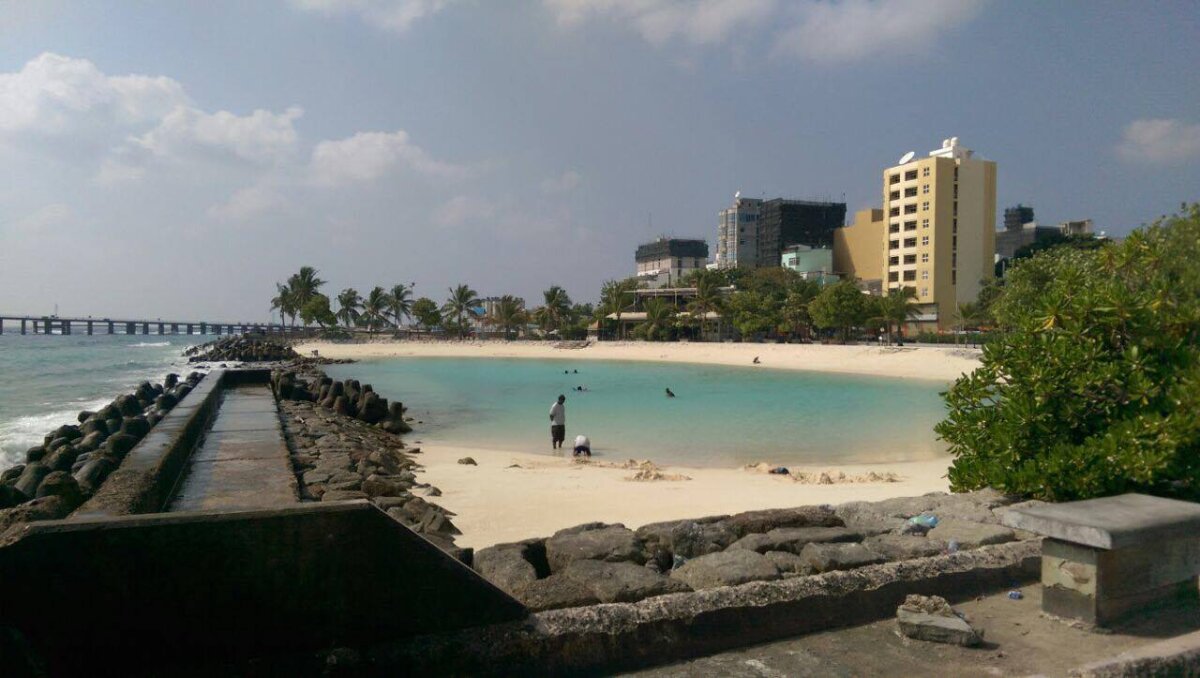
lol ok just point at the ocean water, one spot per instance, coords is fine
(721, 416)
(45, 380)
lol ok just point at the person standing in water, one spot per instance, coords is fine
(670, 393)
(558, 423)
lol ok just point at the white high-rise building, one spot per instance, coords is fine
(737, 231)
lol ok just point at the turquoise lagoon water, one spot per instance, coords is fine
(46, 380)
(722, 416)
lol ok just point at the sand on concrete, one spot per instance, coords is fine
(939, 363)
(509, 496)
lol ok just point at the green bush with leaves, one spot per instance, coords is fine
(1092, 386)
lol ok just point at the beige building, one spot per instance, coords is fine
(858, 249)
(937, 234)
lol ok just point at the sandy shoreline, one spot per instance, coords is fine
(499, 502)
(512, 495)
(919, 362)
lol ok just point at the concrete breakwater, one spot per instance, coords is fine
(74, 460)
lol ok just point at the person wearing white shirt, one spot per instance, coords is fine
(558, 423)
(583, 446)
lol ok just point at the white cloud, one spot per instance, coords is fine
(1160, 141)
(55, 95)
(567, 181)
(699, 22)
(462, 209)
(248, 203)
(857, 29)
(369, 155)
(40, 220)
(261, 137)
(392, 15)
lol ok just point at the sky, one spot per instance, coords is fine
(176, 159)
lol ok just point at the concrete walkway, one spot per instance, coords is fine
(243, 462)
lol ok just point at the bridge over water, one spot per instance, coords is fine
(90, 325)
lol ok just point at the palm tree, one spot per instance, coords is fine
(968, 314)
(463, 301)
(349, 301)
(556, 309)
(509, 314)
(374, 308)
(898, 307)
(401, 306)
(284, 301)
(616, 296)
(304, 285)
(659, 314)
(795, 307)
(708, 297)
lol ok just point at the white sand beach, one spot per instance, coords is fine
(510, 496)
(911, 362)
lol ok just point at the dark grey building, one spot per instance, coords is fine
(664, 262)
(786, 223)
(1016, 217)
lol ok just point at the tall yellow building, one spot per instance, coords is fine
(938, 235)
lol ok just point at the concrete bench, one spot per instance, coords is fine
(1104, 558)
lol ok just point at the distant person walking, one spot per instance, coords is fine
(558, 423)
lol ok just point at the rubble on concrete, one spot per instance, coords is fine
(931, 618)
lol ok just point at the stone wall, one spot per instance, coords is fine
(74, 460)
(600, 563)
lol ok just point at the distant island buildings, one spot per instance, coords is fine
(935, 233)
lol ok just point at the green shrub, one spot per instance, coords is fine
(1092, 386)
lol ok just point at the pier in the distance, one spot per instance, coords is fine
(90, 325)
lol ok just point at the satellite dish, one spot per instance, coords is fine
(907, 156)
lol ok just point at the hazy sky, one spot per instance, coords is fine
(175, 159)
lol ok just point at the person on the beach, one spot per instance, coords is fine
(558, 423)
(582, 446)
(756, 360)
(670, 393)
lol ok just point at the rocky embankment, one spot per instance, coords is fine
(74, 459)
(345, 443)
(600, 563)
(252, 348)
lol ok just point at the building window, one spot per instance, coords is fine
(924, 292)
(894, 245)
(893, 276)
(925, 188)
(893, 261)
(953, 277)
(925, 172)
(894, 195)
(954, 260)
(910, 175)
(924, 275)
(956, 174)
(924, 223)
(894, 228)
(911, 242)
(910, 276)
(895, 212)
(925, 207)
(910, 225)
(910, 258)
(894, 179)
(911, 209)
(924, 240)
(910, 192)
(954, 226)
(924, 257)
(956, 208)
(954, 242)
(956, 191)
